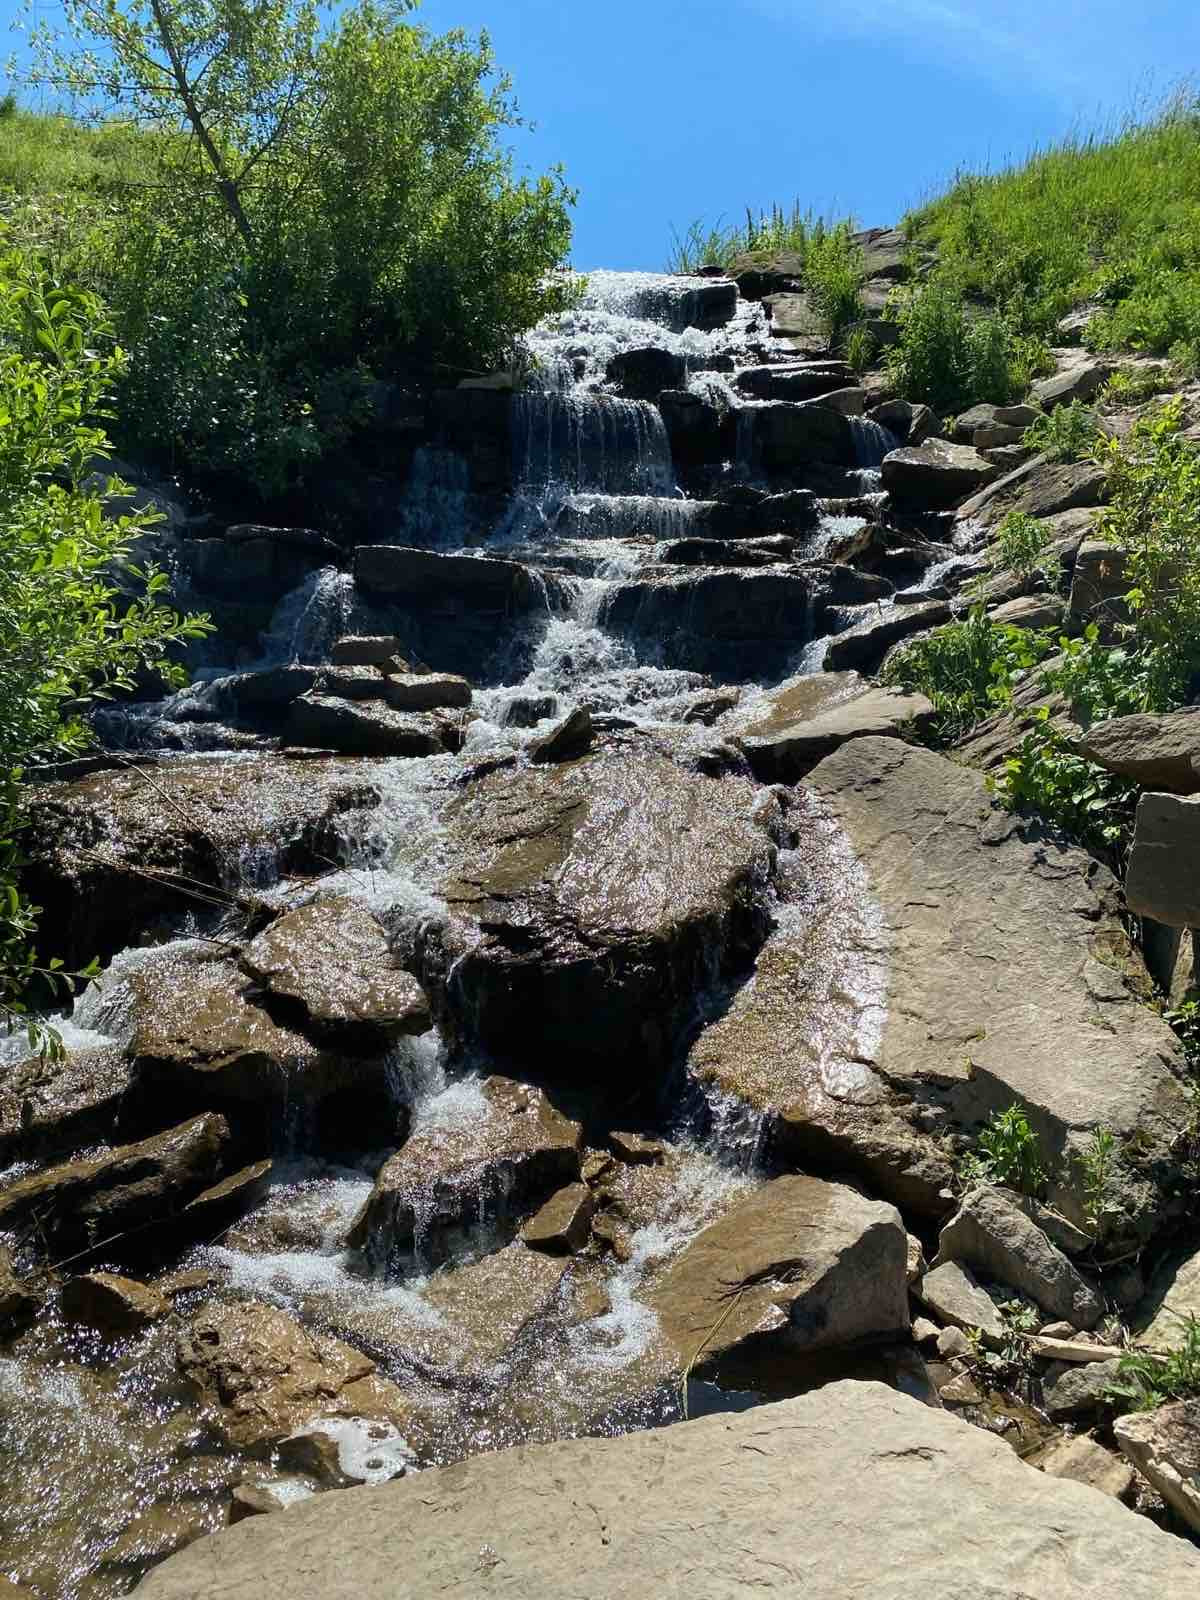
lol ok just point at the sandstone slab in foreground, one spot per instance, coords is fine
(851, 1491)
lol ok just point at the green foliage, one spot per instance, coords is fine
(1095, 1166)
(860, 348)
(770, 232)
(1021, 542)
(1145, 1381)
(968, 669)
(344, 207)
(1185, 1019)
(1132, 386)
(1068, 433)
(1045, 776)
(1008, 1152)
(833, 273)
(952, 357)
(1111, 215)
(77, 619)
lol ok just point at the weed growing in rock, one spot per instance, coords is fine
(1145, 1381)
(1045, 776)
(1095, 1166)
(1132, 386)
(1007, 1152)
(968, 669)
(1185, 1019)
(860, 348)
(951, 356)
(1021, 542)
(833, 272)
(702, 244)
(1068, 434)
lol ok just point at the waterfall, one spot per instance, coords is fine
(435, 511)
(590, 441)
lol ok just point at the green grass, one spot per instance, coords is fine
(44, 155)
(718, 244)
(1112, 216)
(1068, 434)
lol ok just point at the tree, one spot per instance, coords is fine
(69, 634)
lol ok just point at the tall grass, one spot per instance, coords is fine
(718, 244)
(1112, 216)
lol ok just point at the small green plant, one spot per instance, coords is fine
(1008, 1152)
(1185, 1019)
(860, 348)
(1044, 776)
(1068, 434)
(1132, 386)
(833, 273)
(951, 356)
(1095, 1166)
(968, 669)
(1021, 542)
(1145, 1382)
(702, 244)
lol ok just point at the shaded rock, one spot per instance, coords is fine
(503, 1153)
(114, 853)
(84, 1203)
(935, 475)
(953, 1344)
(597, 896)
(1039, 488)
(970, 421)
(18, 1303)
(252, 693)
(1173, 1298)
(1082, 1460)
(912, 423)
(1079, 1391)
(1081, 380)
(636, 1150)
(785, 744)
(349, 683)
(213, 1210)
(798, 1266)
(265, 1376)
(789, 438)
(698, 430)
(323, 722)
(340, 1453)
(428, 691)
(261, 1499)
(373, 650)
(331, 961)
(1099, 584)
(866, 643)
(951, 1293)
(805, 381)
(112, 1305)
(1158, 752)
(1164, 1446)
(1001, 1243)
(1162, 881)
(1034, 611)
(155, 1534)
(643, 374)
(996, 435)
(526, 711)
(564, 1224)
(988, 1523)
(716, 553)
(758, 272)
(568, 739)
(54, 1106)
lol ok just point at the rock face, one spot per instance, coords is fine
(330, 960)
(1039, 488)
(604, 888)
(789, 438)
(1174, 1297)
(941, 964)
(1160, 752)
(1162, 882)
(50, 1107)
(799, 1266)
(1099, 584)
(1081, 380)
(810, 380)
(501, 1154)
(18, 1304)
(110, 853)
(988, 1524)
(1002, 1244)
(787, 740)
(111, 1304)
(325, 722)
(866, 643)
(935, 475)
(266, 1376)
(84, 1203)
(1164, 1446)
(952, 1292)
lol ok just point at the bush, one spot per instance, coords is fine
(833, 273)
(1068, 433)
(967, 669)
(67, 635)
(1021, 542)
(952, 358)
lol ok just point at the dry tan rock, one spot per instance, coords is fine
(1164, 1446)
(564, 1224)
(1082, 1460)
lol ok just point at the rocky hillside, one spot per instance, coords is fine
(559, 981)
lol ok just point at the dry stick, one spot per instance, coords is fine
(711, 1334)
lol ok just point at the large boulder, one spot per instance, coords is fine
(1163, 880)
(1173, 1300)
(325, 722)
(331, 963)
(1158, 752)
(944, 960)
(87, 1203)
(851, 1489)
(1081, 379)
(114, 854)
(798, 1266)
(808, 380)
(789, 438)
(1039, 488)
(865, 644)
(1164, 1446)
(52, 1105)
(796, 726)
(500, 1156)
(265, 1376)
(590, 901)
(935, 475)
(642, 374)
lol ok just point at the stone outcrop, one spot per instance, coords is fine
(1080, 379)
(935, 475)
(1164, 1446)
(607, 888)
(331, 964)
(952, 1293)
(1173, 1298)
(564, 1224)
(809, 380)
(121, 850)
(265, 1376)
(791, 731)
(865, 644)
(945, 962)
(987, 1523)
(1162, 882)
(1039, 488)
(53, 1105)
(1158, 752)
(113, 1305)
(789, 437)
(799, 1266)
(326, 722)
(499, 1155)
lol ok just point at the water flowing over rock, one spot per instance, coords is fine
(988, 1523)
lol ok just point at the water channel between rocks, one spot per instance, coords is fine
(106, 1461)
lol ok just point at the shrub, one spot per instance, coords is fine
(967, 669)
(1068, 433)
(833, 273)
(1021, 542)
(860, 348)
(949, 357)
(1007, 1152)
(1132, 386)
(1145, 1381)
(1046, 777)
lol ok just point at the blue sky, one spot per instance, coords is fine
(668, 110)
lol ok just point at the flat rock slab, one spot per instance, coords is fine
(1174, 1297)
(1163, 881)
(357, 728)
(800, 1264)
(52, 1107)
(331, 961)
(1039, 488)
(1164, 1446)
(935, 475)
(866, 643)
(1158, 752)
(944, 961)
(590, 901)
(111, 853)
(785, 745)
(851, 1490)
